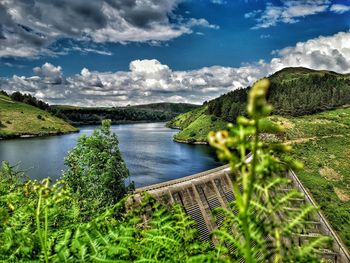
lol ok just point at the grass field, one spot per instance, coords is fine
(195, 125)
(18, 119)
(322, 142)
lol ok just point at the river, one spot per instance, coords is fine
(147, 148)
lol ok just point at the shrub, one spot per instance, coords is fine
(96, 170)
(40, 117)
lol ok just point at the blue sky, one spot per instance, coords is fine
(50, 44)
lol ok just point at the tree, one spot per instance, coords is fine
(96, 170)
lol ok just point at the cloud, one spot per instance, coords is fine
(29, 28)
(218, 2)
(50, 74)
(289, 12)
(340, 9)
(149, 81)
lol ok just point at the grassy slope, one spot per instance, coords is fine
(22, 119)
(322, 142)
(195, 125)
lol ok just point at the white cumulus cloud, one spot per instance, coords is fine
(149, 81)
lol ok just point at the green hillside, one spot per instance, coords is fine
(322, 142)
(293, 92)
(19, 119)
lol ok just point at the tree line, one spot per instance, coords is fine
(291, 93)
(94, 115)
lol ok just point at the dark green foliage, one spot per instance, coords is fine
(29, 99)
(293, 91)
(96, 170)
(139, 113)
(4, 93)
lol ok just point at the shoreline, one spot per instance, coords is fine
(191, 142)
(31, 135)
(115, 123)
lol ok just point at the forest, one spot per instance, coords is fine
(293, 92)
(139, 113)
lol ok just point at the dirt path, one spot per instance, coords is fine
(302, 140)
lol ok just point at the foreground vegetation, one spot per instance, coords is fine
(85, 219)
(18, 119)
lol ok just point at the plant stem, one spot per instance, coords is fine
(38, 227)
(248, 191)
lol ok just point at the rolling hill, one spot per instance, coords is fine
(20, 119)
(293, 92)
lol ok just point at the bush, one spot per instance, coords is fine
(96, 170)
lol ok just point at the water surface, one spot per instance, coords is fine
(147, 148)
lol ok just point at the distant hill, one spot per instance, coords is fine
(293, 92)
(138, 113)
(20, 119)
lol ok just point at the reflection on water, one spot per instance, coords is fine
(147, 149)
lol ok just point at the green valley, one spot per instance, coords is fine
(20, 119)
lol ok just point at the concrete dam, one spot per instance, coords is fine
(199, 194)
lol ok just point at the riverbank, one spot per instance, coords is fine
(34, 135)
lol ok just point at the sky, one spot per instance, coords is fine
(120, 52)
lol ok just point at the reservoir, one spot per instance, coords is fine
(147, 148)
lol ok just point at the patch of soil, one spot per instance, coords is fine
(330, 174)
(343, 194)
